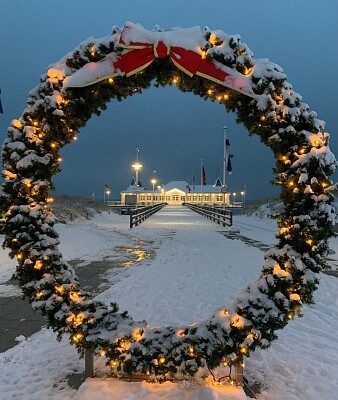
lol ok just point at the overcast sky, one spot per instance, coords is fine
(173, 130)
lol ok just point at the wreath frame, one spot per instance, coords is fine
(290, 273)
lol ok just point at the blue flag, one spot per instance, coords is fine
(1, 109)
(228, 156)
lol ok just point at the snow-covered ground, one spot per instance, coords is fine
(190, 270)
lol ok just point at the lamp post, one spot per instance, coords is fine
(137, 166)
(153, 181)
(243, 199)
(224, 155)
(107, 194)
(234, 199)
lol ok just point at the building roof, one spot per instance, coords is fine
(134, 188)
(180, 185)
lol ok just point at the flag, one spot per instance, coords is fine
(204, 179)
(106, 188)
(187, 188)
(1, 109)
(228, 156)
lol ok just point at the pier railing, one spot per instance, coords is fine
(138, 215)
(222, 216)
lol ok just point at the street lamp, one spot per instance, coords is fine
(137, 166)
(243, 199)
(153, 181)
(107, 194)
(234, 200)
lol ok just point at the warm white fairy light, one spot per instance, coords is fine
(273, 110)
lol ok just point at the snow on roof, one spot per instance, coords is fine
(133, 188)
(180, 185)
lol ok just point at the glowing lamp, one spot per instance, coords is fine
(137, 166)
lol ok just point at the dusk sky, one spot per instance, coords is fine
(173, 130)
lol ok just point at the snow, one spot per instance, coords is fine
(93, 71)
(148, 391)
(167, 290)
(194, 271)
(187, 38)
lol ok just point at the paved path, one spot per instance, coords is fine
(17, 316)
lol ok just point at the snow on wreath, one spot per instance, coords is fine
(215, 66)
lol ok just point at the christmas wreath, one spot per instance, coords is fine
(212, 65)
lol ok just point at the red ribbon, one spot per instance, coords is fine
(137, 56)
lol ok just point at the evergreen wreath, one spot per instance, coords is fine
(290, 274)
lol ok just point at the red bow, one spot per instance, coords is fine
(137, 56)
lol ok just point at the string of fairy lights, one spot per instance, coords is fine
(54, 116)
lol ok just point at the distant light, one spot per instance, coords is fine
(137, 166)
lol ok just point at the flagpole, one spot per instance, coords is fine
(224, 154)
(201, 177)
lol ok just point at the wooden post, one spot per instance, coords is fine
(131, 216)
(239, 372)
(89, 363)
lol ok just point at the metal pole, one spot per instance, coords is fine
(136, 170)
(239, 372)
(89, 364)
(224, 154)
(201, 178)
